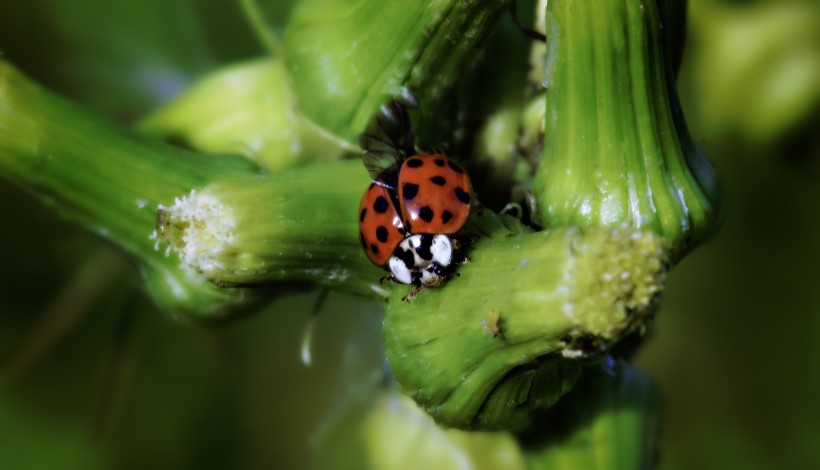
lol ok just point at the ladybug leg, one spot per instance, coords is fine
(389, 277)
(412, 294)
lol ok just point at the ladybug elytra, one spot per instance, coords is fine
(434, 193)
(380, 226)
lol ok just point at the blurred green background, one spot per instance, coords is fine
(94, 377)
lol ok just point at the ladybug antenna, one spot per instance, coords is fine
(530, 33)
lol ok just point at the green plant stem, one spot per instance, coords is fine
(502, 339)
(108, 181)
(349, 57)
(297, 227)
(617, 150)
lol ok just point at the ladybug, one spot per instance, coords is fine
(434, 194)
(407, 230)
(412, 207)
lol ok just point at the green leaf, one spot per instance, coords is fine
(248, 109)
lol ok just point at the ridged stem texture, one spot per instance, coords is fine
(617, 151)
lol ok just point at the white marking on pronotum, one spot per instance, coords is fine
(440, 252)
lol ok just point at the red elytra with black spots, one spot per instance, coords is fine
(434, 195)
(380, 225)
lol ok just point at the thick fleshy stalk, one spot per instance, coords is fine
(503, 338)
(617, 151)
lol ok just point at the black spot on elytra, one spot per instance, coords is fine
(361, 239)
(410, 191)
(439, 161)
(424, 247)
(381, 234)
(405, 256)
(380, 205)
(426, 214)
(439, 180)
(362, 214)
(415, 163)
(462, 196)
(455, 166)
(374, 248)
(446, 216)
